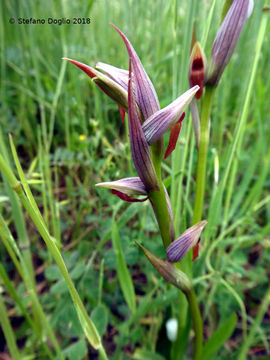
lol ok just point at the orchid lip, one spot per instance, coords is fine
(128, 186)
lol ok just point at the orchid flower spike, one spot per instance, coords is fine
(227, 38)
(135, 94)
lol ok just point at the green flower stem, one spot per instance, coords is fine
(203, 151)
(8, 332)
(197, 323)
(158, 201)
(158, 198)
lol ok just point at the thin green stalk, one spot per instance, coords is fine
(8, 332)
(158, 198)
(197, 323)
(18, 217)
(88, 326)
(203, 151)
(19, 303)
(259, 317)
(24, 272)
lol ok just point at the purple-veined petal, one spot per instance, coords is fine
(168, 271)
(146, 96)
(139, 148)
(128, 186)
(118, 75)
(227, 38)
(155, 126)
(174, 134)
(111, 88)
(179, 247)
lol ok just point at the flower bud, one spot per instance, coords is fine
(227, 38)
(179, 247)
(197, 68)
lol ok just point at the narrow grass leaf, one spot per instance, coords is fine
(122, 270)
(219, 337)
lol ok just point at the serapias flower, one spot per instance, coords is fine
(179, 247)
(227, 38)
(114, 82)
(134, 93)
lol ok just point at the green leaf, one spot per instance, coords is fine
(219, 337)
(76, 351)
(100, 318)
(141, 354)
(53, 273)
(77, 272)
(122, 270)
(59, 288)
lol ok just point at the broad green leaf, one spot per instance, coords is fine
(219, 337)
(76, 351)
(122, 270)
(100, 318)
(53, 273)
(59, 288)
(77, 272)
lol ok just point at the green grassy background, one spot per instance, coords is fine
(47, 105)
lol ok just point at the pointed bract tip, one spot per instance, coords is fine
(168, 271)
(146, 96)
(87, 69)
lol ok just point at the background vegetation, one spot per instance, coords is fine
(69, 136)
